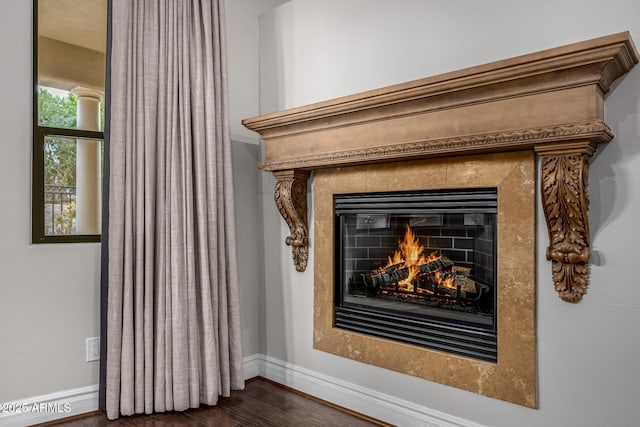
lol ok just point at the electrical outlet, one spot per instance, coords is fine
(93, 349)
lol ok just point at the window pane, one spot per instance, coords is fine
(72, 194)
(71, 63)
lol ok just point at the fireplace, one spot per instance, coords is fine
(493, 355)
(474, 129)
(419, 267)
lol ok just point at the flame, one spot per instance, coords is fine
(446, 282)
(411, 255)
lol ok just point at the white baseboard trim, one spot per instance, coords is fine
(67, 403)
(49, 407)
(252, 366)
(372, 403)
(354, 397)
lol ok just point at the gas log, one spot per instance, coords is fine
(391, 275)
(440, 264)
(387, 277)
(429, 279)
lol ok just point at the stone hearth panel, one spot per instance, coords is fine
(513, 377)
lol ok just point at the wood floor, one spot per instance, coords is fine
(260, 404)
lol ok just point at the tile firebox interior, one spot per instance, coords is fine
(513, 377)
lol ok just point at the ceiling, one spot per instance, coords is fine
(78, 22)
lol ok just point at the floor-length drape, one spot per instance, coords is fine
(173, 336)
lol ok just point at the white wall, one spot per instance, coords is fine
(242, 65)
(49, 294)
(243, 81)
(588, 353)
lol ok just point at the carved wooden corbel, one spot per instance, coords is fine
(565, 201)
(291, 200)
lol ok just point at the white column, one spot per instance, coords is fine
(88, 171)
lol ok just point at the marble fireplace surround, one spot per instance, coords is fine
(477, 127)
(513, 377)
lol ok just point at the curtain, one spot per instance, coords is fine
(173, 335)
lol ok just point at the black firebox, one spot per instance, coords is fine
(419, 267)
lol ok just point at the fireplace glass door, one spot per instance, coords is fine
(419, 268)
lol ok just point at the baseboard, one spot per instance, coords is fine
(68, 403)
(253, 365)
(369, 402)
(356, 398)
(49, 407)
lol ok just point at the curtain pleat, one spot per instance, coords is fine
(173, 332)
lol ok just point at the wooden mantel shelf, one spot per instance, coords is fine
(551, 102)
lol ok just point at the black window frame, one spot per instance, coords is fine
(37, 167)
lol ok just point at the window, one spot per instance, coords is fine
(69, 51)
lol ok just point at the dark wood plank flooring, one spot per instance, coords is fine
(261, 403)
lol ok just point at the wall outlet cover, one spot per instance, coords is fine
(93, 349)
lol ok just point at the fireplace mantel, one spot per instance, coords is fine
(550, 102)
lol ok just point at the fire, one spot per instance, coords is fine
(445, 281)
(411, 255)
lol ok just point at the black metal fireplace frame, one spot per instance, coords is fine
(451, 336)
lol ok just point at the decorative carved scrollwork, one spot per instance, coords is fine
(565, 202)
(291, 200)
